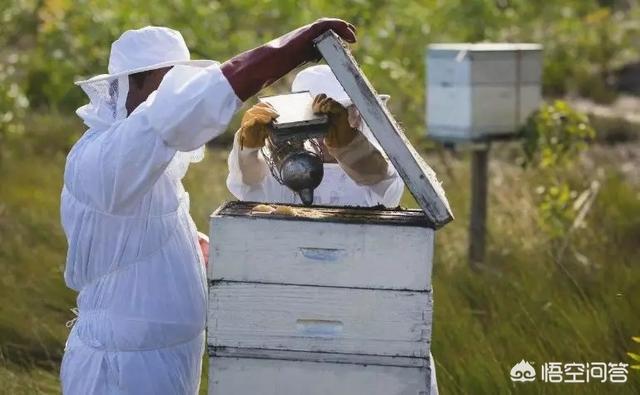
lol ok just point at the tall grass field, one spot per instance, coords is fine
(532, 301)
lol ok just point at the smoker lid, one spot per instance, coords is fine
(417, 175)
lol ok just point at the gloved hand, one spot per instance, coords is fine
(254, 126)
(340, 131)
(252, 70)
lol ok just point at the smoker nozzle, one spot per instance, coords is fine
(306, 195)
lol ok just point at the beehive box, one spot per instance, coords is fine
(326, 301)
(329, 300)
(478, 92)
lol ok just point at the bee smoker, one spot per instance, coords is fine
(292, 151)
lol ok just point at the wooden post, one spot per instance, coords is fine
(477, 223)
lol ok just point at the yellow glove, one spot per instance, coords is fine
(255, 125)
(340, 132)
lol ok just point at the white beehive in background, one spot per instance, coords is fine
(476, 92)
(329, 301)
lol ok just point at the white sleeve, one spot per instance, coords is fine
(388, 192)
(361, 160)
(367, 167)
(246, 165)
(186, 111)
(191, 108)
(247, 172)
(250, 179)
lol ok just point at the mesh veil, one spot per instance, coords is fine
(107, 105)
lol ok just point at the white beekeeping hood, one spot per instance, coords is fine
(417, 175)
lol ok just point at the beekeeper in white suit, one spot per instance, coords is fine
(133, 248)
(356, 173)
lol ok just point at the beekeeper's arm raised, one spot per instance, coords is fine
(188, 110)
(187, 107)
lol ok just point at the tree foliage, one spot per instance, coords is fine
(47, 44)
(555, 134)
(552, 139)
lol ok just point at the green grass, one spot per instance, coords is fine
(584, 308)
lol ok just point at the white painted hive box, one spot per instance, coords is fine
(336, 300)
(477, 92)
(332, 301)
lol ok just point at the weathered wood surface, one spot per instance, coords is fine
(417, 175)
(234, 376)
(340, 214)
(319, 319)
(320, 253)
(256, 353)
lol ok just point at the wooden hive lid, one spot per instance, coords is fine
(416, 173)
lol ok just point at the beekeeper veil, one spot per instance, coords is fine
(320, 79)
(136, 51)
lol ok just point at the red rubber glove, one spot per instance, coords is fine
(252, 70)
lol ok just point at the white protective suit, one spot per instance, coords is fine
(133, 250)
(337, 188)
